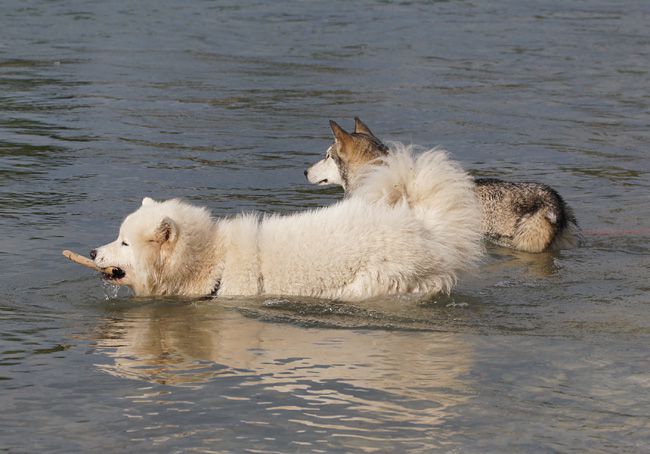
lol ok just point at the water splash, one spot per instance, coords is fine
(111, 291)
(455, 304)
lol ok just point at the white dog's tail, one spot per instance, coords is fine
(440, 192)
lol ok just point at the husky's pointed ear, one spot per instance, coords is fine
(361, 128)
(147, 201)
(339, 133)
(167, 231)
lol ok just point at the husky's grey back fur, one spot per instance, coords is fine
(526, 216)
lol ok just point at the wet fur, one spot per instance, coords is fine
(526, 216)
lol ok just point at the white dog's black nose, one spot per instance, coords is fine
(306, 172)
(93, 254)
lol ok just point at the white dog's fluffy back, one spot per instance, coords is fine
(439, 192)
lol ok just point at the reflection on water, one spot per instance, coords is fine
(223, 371)
(162, 343)
(390, 377)
(533, 265)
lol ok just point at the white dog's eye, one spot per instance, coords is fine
(124, 243)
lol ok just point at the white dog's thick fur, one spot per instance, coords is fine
(439, 192)
(412, 225)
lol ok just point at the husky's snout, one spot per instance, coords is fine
(324, 172)
(312, 180)
(93, 254)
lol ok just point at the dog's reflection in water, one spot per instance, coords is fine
(191, 344)
(508, 263)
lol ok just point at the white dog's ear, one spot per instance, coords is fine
(339, 133)
(167, 231)
(147, 201)
(361, 128)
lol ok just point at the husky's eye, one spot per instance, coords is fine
(124, 243)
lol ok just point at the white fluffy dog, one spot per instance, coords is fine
(411, 226)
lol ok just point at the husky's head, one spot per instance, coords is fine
(156, 248)
(346, 156)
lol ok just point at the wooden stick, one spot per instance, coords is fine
(81, 260)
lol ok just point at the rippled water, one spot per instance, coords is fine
(225, 104)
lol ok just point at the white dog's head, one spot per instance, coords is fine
(346, 156)
(150, 252)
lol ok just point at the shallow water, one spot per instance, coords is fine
(225, 104)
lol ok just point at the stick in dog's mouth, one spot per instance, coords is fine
(114, 273)
(111, 273)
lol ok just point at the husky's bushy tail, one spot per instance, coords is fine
(440, 193)
(550, 228)
(526, 216)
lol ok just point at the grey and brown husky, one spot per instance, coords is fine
(526, 216)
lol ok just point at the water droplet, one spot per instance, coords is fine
(111, 291)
